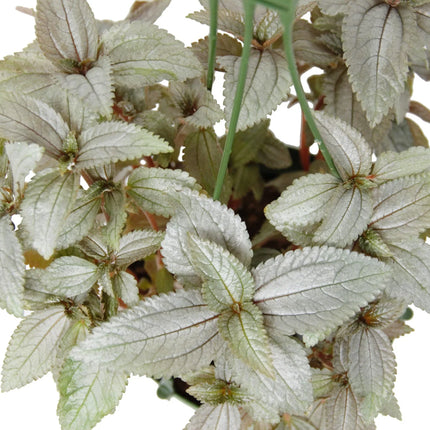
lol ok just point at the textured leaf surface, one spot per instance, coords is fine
(142, 54)
(220, 417)
(109, 142)
(115, 207)
(375, 45)
(48, 200)
(162, 336)
(125, 286)
(147, 11)
(209, 220)
(12, 269)
(267, 83)
(87, 394)
(66, 30)
(315, 289)
(33, 347)
(342, 410)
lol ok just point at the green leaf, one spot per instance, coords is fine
(147, 11)
(311, 291)
(109, 142)
(274, 154)
(69, 276)
(47, 202)
(125, 287)
(12, 270)
(163, 336)
(87, 394)
(334, 7)
(23, 118)
(33, 347)
(219, 417)
(268, 82)
(209, 220)
(375, 48)
(66, 30)
(142, 54)
(114, 204)
(157, 190)
(242, 328)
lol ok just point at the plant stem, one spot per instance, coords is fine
(212, 42)
(249, 25)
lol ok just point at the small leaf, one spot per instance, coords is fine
(109, 142)
(371, 243)
(333, 7)
(87, 394)
(66, 30)
(33, 347)
(114, 204)
(156, 190)
(147, 11)
(125, 287)
(274, 154)
(220, 417)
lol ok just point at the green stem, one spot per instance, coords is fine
(212, 42)
(287, 18)
(249, 26)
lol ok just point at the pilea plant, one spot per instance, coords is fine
(133, 238)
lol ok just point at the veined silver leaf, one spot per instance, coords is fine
(245, 334)
(372, 368)
(147, 11)
(342, 411)
(141, 54)
(94, 245)
(87, 394)
(162, 336)
(69, 276)
(207, 219)
(313, 290)
(290, 390)
(48, 200)
(66, 30)
(375, 49)
(109, 142)
(125, 286)
(351, 154)
(33, 347)
(226, 281)
(12, 270)
(26, 119)
(156, 190)
(304, 202)
(401, 208)
(268, 82)
(394, 165)
(137, 245)
(220, 417)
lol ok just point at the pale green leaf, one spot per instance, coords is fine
(165, 335)
(322, 382)
(375, 48)
(274, 154)
(245, 179)
(313, 290)
(87, 394)
(156, 190)
(220, 417)
(137, 245)
(109, 142)
(125, 286)
(147, 11)
(69, 276)
(66, 30)
(209, 220)
(12, 270)
(268, 82)
(333, 7)
(94, 246)
(48, 200)
(142, 54)
(33, 347)
(114, 204)
(226, 281)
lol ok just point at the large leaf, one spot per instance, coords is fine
(142, 54)
(48, 200)
(375, 48)
(87, 394)
(12, 270)
(267, 84)
(156, 190)
(311, 291)
(342, 410)
(66, 30)
(162, 336)
(207, 219)
(220, 417)
(33, 347)
(109, 142)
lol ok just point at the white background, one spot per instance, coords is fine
(34, 406)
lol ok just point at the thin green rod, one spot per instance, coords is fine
(243, 69)
(212, 42)
(287, 18)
